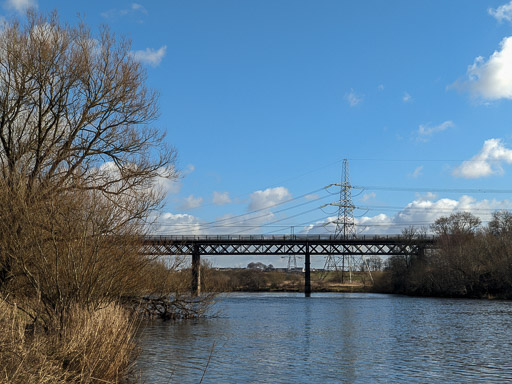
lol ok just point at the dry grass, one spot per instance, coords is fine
(93, 347)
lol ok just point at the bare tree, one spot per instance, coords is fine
(457, 224)
(78, 161)
(501, 223)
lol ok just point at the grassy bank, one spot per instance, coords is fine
(250, 280)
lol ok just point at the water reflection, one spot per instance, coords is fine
(334, 338)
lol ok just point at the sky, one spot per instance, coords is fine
(263, 100)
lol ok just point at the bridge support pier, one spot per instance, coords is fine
(307, 272)
(196, 271)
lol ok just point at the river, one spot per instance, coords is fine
(333, 338)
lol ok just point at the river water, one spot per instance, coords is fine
(333, 338)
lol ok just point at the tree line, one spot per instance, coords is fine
(468, 260)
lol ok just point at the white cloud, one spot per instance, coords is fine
(221, 198)
(134, 9)
(321, 227)
(406, 97)
(150, 56)
(491, 79)
(353, 99)
(419, 213)
(426, 131)
(177, 224)
(312, 196)
(170, 180)
(139, 8)
(503, 12)
(368, 196)
(267, 198)
(191, 202)
(487, 162)
(20, 6)
(417, 172)
(167, 181)
(426, 196)
(185, 224)
(167, 185)
(380, 87)
(190, 168)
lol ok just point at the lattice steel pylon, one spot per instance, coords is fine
(292, 263)
(345, 225)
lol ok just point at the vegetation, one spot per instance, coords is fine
(468, 261)
(93, 346)
(272, 280)
(78, 169)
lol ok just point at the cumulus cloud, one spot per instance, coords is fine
(406, 98)
(221, 198)
(426, 196)
(268, 198)
(312, 196)
(177, 224)
(426, 131)
(353, 99)
(423, 211)
(487, 162)
(186, 224)
(491, 79)
(20, 6)
(321, 227)
(191, 202)
(150, 56)
(502, 13)
(417, 172)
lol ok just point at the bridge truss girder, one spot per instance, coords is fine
(213, 246)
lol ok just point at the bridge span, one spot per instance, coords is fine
(281, 245)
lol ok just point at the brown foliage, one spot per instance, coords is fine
(78, 163)
(94, 346)
(467, 261)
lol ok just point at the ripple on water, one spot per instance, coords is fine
(334, 338)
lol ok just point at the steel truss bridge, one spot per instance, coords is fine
(300, 245)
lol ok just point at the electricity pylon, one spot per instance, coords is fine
(292, 259)
(345, 225)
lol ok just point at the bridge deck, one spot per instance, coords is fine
(284, 245)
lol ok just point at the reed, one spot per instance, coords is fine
(94, 346)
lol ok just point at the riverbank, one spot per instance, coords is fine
(249, 280)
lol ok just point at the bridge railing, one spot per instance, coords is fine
(179, 238)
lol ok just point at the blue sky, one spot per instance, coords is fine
(264, 99)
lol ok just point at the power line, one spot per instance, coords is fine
(240, 223)
(441, 190)
(267, 207)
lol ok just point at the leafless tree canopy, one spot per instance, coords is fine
(71, 103)
(78, 161)
(469, 260)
